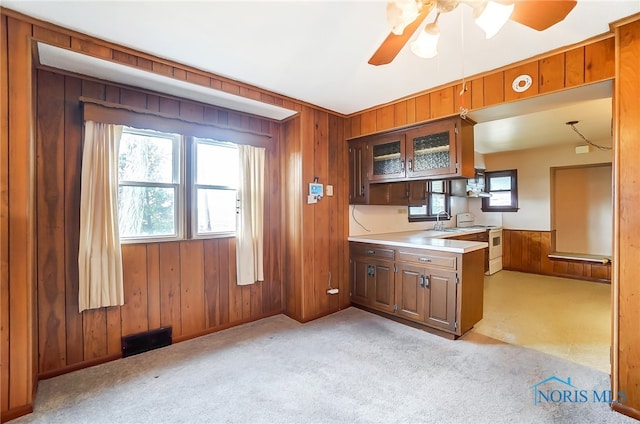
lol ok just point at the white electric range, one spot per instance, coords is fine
(467, 220)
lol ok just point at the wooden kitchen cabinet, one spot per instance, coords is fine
(358, 181)
(441, 291)
(432, 150)
(372, 277)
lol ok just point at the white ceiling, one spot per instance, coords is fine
(317, 51)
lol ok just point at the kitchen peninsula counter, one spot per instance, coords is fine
(426, 239)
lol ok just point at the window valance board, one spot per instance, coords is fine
(113, 113)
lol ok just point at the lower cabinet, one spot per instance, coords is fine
(420, 286)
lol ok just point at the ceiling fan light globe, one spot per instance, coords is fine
(491, 16)
(401, 13)
(426, 45)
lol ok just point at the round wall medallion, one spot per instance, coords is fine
(521, 83)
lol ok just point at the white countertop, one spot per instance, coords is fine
(426, 239)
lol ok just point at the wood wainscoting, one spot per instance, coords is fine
(527, 251)
(189, 285)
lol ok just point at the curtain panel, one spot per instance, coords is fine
(250, 224)
(99, 255)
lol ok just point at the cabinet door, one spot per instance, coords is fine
(398, 193)
(410, 292)
(417, 193)
(431, 150)
(359, 281)
(381, 285)
(441, 299)
(386, 153)
(372, 283)
(358, 183)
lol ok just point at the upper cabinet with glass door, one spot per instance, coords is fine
(432, 150)
(387, 157)
(439, 149)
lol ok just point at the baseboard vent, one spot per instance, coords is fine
(143, 342)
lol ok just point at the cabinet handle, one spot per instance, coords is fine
(371, 252)
(371, 271)
(426, 281)
(401, 163)
(410, 164)
(362, 191)
(421, 280)
(424, 259)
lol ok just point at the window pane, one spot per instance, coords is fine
(146, 158)
(437, 203)
(216, 165)
(418, 210)
(216, 211)
(146, 211)
(437, 186)
(500, 183)
(500, 198)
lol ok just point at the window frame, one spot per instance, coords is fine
(194, 186)
(513, 206)
(177, 185)
(428, 193)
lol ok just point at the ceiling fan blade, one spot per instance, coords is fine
(392, 45)
(541, 15)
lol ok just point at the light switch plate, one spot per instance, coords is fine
(329, 190)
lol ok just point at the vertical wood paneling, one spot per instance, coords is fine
(493, 85)
(626, 345)
(574, 67)
(422, 108)
(368, 122)
(442, 102)
(223, 252)
(21, 216)
(153, 286)
(211, 283)
(527, 251)
(552, 70)
(599, 60)
(321, 223)
(133, 98)
(134, 273)
(50, 223)
(400, 114)
(385, 118)
(192, 314)
(170, 287)
(94, 333)
(72, 172)
(477, 93)
(411, 111)
(4, 216)
(235, 291)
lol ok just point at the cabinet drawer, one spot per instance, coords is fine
(371, 250)
(428, 259)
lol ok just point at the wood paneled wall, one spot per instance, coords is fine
(317, 251)
(70, 340)
(581, 65)
(17, 219)
(527, 251)
(189, 285)
(626, 290)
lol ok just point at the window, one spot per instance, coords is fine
(436, 201)
(149, 192)
(155, 176)
(503, 187)
(215, 185)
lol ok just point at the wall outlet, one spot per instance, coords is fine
(402, 211)
(332, 291)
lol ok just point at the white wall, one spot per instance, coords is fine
(389, 219)
(534, 183)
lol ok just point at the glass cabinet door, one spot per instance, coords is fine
(387, 158)
(432, 150)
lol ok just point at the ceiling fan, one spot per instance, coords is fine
(406, 16)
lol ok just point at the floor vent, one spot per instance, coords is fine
(143, 342)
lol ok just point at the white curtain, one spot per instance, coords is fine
(99, 255)
(249, 231)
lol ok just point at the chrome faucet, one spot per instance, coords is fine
(440, 225)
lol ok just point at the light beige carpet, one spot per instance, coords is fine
(349, 367)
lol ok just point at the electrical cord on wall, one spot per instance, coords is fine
(572, 124)
(353, 215)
